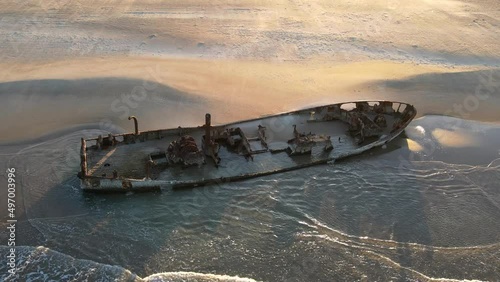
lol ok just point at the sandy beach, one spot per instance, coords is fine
(245, 59)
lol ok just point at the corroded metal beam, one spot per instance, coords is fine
(136, 125)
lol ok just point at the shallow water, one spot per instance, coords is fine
(389, 214)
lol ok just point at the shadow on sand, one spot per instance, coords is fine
(37, 107)
(470, 95)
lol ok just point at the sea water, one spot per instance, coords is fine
(426, 206)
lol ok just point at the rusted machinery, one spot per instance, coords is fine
(303, 143)
(185, 151)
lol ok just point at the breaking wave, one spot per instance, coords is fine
(43, 264)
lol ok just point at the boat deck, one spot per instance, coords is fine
(143, 157)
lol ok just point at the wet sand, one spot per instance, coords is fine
(90, 90)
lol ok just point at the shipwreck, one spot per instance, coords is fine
(209, 154)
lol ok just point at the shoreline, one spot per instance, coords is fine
(176, 90)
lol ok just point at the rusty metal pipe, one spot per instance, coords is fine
(136, 125)
(208, 121)
(83, 158)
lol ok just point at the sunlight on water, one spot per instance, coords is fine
(451, 138)
(385, 213)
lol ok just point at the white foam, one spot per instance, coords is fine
(194, 277)
(43, 264)
(415, 132)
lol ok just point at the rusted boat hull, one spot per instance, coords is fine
(206, 155)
